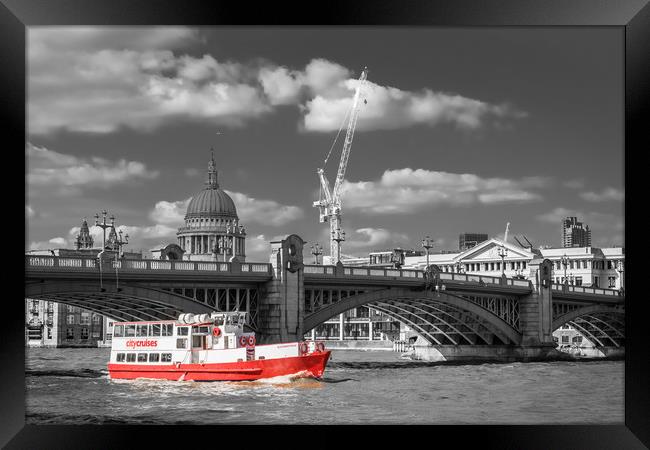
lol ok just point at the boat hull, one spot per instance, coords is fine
(309, 366)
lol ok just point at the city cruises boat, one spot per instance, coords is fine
(208, 347)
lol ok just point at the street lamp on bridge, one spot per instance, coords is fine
(103, 225)
(338, 236)
(316, 250)
(120, 243)
(565, 262)
(503, 252)
(427, 243)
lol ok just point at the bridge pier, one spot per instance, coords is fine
(282, 302)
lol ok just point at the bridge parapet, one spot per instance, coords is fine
(69, 264)
(419, 275)
(585, 290)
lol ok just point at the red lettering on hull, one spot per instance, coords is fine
(142, 343)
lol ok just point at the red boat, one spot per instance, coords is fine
(208, 347)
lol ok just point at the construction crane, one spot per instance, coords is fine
(329, 203)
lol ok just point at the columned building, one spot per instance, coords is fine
(212, 231)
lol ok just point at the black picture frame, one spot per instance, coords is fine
(632, 15)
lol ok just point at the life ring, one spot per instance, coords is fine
(251, 340)
(242, 341)
(320, 346)
(303, 348)
(216, 331)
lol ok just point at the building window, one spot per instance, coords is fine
(491, 266)
(565, 338)
(95, 334)
(596, 282)
(578, 281)
(69, 333)
(576, 339)
(84, 333)
(97, 318)
(524, 264)
(558, 265)
(49, 333)
(611, 281)
(584, 264)
(84, 319)
(69, 308)
(70, 319)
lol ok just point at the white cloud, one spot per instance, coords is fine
(169, 213)
(52, 170)
(264, 212)
(375, 239)
(407, 190)
(29, 212)
(98, 79)
(574, 184)
(607, 194)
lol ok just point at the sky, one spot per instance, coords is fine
(464, 129)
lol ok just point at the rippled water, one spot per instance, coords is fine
(70, 386)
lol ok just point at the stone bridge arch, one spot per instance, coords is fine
(440, 318)
(128, 303)
(604, 325)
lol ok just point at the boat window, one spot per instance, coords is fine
(129, 330)
(141, 330)
(154, 329)
(154, 357)
(166, 357)
(130, 357)
(235, 320)
(200, 329)
(182, 331)
(142, 357)
(167, 329)
(120, 357)
(181, 343)
(118, 331)
(196, 342)
(218, 321)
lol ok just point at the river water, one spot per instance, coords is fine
(71, 386)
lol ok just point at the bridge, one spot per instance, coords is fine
(455, 313)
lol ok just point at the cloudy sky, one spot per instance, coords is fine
(464, 130)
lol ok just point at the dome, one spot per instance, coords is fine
(211, 202)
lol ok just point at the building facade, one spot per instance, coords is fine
(574, 234)
(51, 324)
(469, 240)
(212, 231)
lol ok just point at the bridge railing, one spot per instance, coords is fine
(412, 273)
(139, 265)
(585, 290)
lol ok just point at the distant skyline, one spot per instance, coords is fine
(464, 130)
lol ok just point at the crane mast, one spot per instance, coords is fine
(329, 203)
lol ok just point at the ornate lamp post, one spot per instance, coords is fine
(427, 243)
(104, 225)
(620, 269)
(338, 236)
(226, 243)
(120, 243)
(503, 252)
(565, 262)
(316, 250)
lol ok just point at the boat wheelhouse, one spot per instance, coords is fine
(207, 347)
